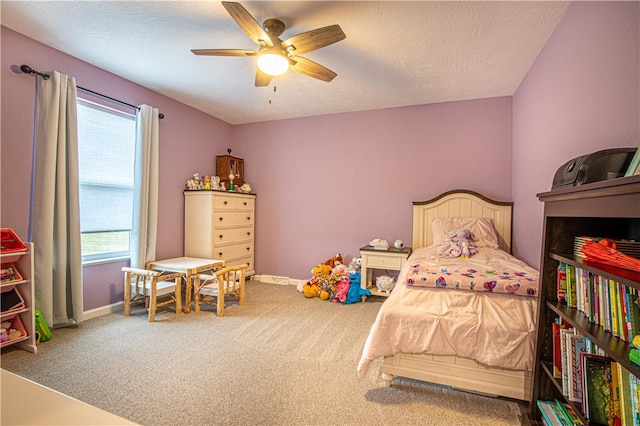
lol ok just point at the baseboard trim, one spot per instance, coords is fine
(103, 310)
(274, 279)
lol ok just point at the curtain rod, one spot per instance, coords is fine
(28, 70)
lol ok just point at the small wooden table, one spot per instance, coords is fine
(191, 266)
(389, 259)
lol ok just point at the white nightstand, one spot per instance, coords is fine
(389, 259)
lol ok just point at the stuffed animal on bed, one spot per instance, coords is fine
(459, 243)
(465, 242)
(449, 248)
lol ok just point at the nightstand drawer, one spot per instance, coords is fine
(384, 262)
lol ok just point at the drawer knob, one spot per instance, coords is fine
(220, 218)
(248, 248)
(225, 203)
(220, 255)
(248, 217)
(245, 203)
(248, 234)
(220, 236)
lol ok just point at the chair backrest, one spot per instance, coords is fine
(232, 277)
(139, 278)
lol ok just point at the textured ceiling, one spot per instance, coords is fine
(396, 53)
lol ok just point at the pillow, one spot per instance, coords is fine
(481, 227)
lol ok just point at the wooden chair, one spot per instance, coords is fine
(149, 286)
(211, 289)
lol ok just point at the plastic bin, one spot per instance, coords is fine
(11, 300)
(16, 323)
(11, 244)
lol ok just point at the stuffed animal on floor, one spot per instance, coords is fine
(342, 287)
(337, 259)
(355, 265)
(321, 269)
(356, 292)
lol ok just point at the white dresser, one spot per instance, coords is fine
(220, 225)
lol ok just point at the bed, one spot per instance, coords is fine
(479, 339)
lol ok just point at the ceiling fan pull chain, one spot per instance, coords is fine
(274, 91)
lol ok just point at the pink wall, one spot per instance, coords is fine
(189, 142)
(331, 183)
(582, 95)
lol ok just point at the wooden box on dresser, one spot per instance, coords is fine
(220, 225)
(608, 209)
(23, 284)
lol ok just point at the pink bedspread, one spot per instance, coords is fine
(500, 273)
(492, 328)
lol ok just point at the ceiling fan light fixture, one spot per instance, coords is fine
(273, 63)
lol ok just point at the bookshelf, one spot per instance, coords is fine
(601, 209)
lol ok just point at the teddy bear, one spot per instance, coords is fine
(321, 269)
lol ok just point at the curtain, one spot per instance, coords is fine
(55, 215)
(145, 190)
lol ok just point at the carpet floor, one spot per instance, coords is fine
(281, 359)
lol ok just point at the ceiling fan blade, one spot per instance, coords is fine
(224, 52)
(314, 39)
(311, 69)
(262, 79)
(247, 23)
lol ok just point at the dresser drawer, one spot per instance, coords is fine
(248, 260)
(230, 202)
(232, 218)
(233, 251)
(232, 235)
(384, 262)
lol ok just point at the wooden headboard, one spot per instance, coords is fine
(461, 203)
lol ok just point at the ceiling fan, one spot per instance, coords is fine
(275, 56)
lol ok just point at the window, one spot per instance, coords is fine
(106, 140)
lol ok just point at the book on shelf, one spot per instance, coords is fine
(564, 359)
(576, 344)
(570, 276)
(627, 403)
(561, 278)
(634, 313)
(569, 415)
(549, 413)
(557, 354)
(616, 394)
(605, 302)
(597, 398)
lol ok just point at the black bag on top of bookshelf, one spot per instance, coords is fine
(601, 165)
